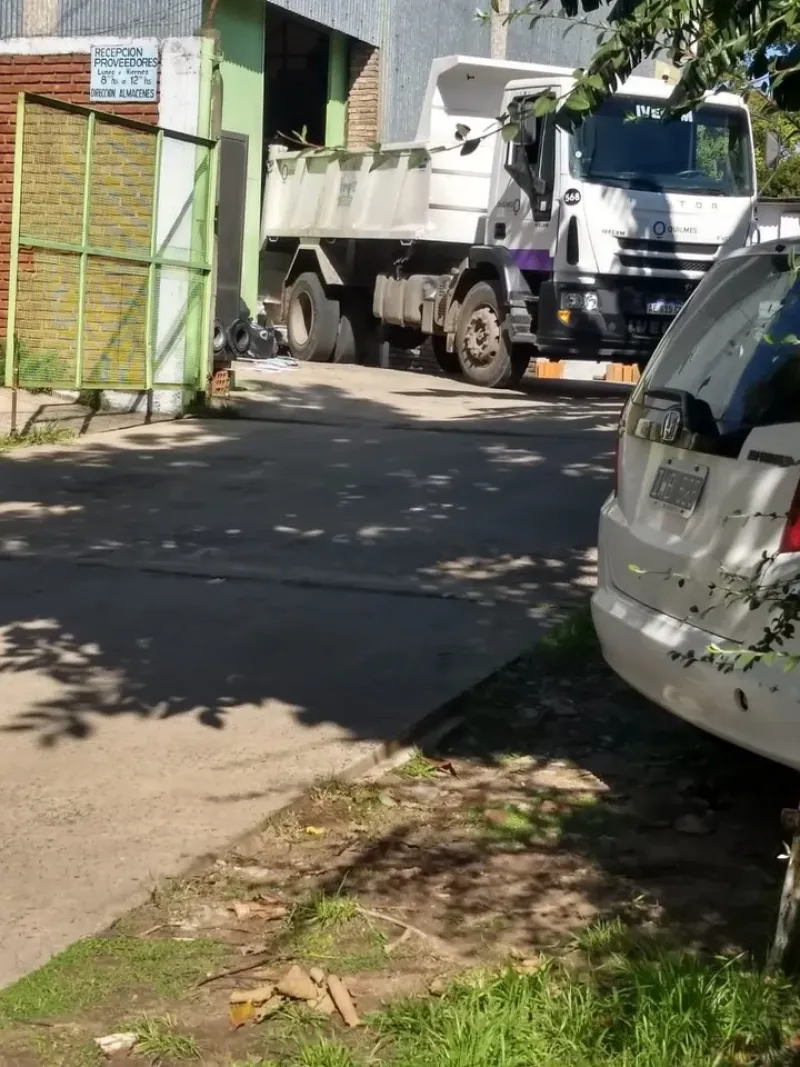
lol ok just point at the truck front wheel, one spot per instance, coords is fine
(447, 361)
(484, 354)
(312, 320)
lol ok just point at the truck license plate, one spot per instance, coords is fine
(667, 308)
(678, 488)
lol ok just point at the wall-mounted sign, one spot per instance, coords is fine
(124, 72)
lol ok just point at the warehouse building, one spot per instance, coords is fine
(344, 71)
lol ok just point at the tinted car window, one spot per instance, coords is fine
(736, 347)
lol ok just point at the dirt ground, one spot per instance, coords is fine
(561, 801)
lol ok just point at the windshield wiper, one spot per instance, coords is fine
(698, 191)
(627, 181)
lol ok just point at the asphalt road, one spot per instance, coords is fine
(199, 619)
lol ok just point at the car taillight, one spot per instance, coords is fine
(790, 539)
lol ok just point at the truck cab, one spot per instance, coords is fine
(612, 223)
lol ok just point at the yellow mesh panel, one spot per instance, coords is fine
(47, 318)
(122, 188)
(53, 162)
(121, 209)
(115, 330)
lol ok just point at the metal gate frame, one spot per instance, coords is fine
(198, 262)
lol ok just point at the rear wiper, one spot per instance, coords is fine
(696, 414)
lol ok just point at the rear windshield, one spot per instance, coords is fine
(736, 349)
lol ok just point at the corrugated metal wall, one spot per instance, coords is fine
(357, 18)
(557, 41)
(554, 40)
(417, 31)
(119, 18)
(137, 18)
(10, 18)
(412, 33)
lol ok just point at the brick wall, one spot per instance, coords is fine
(363, 116)
(65, 77)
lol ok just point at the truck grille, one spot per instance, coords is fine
(671, 248)
(665, 263)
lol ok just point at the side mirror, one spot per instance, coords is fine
(772, 150)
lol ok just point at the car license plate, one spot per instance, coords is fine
(667, 308)
(678, 487)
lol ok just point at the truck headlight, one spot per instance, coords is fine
(579, 301)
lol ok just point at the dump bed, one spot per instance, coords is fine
(404, 191)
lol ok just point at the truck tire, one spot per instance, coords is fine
(312, 320)
(484, 354)
(356, 332)
(447, 361)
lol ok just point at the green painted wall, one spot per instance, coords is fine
(241, 27)
(336, 111)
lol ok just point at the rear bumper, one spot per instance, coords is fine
(636, 642)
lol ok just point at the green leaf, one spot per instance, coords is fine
(510, 132)
(418, 157)
(496, 6)
(634, 569)
(470, 146)
(544, 105)
(578, 100)
(462, 132)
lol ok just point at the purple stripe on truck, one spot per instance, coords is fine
(532, 258)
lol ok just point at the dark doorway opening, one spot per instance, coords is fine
(296, 79)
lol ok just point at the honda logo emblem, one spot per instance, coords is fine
(671, 426)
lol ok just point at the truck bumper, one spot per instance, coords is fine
(612, 318)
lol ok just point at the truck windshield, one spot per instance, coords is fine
(628, 143)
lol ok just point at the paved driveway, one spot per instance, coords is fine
(199, 619)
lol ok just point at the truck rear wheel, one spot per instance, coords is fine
(447, 361)
(356, 334)
(312, 320)
(484, 354)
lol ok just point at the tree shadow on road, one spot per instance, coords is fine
(239, 567)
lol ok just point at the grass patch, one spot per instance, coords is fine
(327, 911)
(654, 1008)
(178, 897)
(359, 798)
(159, 1039)
(46, 433)
(254, 1061)
(98, 969)
(324, 1054)
(417, 768)
(51, 1048)
(330, 927)
(570, 642)
(546, 817)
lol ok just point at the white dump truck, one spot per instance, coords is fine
(566, 244)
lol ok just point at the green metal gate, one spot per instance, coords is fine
(111, 252)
